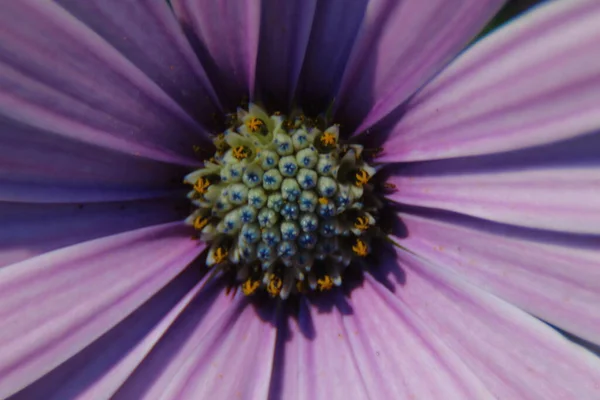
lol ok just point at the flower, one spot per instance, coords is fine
(106, 104)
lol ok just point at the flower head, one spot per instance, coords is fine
(365, 219)
(283, 203)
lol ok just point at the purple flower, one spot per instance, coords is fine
(105, 105)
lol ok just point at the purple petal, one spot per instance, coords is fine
(553, 276)
(415, 363)
(317, 361)
(371, 348)
(63, 78)
(553, 187)
(225, 37)
(400, 46)
(533, 82)
(285, 28)
(102, 367)
(54, 305)
(218, 348)
(515, 355)
(39, 166)
(334, 30)
(29, 230)
(148, 35)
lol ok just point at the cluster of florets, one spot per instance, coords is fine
(282, 203)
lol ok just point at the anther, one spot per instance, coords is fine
(274, 286)
(200, 223)
(362, 178)
(360, 248)
(323, 200)
(254, 124)
(240, 152)
(202, 185)
(362, 223)
(328, 139)
(250, 286)
(325, 284)
(220, 255)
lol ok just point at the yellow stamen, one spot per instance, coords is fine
(202, 185)
(362, 177)
(300, 286)
(250, 286)
(200, 223)
(328, 139)
(362, 223)
(240, 153)
(323, 200)
(325, 284)
(274, 286)
(254, 124)
(220, 255)
(360, 248)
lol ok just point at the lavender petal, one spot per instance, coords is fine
(63, 78)
(400, 46)
(534, 82)
(225, 37)
(148, 35)
(102, 367)
(284, 36)
(37, 165)
(553, 187)
(553, 276)
(54, 305)
(219, 348)
(513, 354)
(29, 230)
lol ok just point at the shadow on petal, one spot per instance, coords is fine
(577, 152)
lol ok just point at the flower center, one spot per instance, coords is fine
(285, 206)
